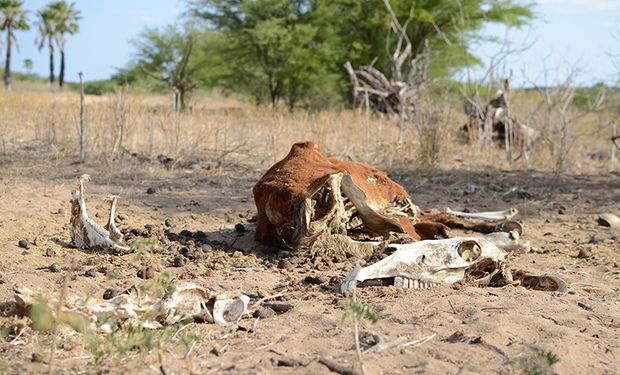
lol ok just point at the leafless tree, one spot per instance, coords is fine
(399, 95)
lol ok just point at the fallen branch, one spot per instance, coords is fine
(335, 367)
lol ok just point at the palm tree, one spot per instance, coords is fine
(66, 19)
(47, 34)
(13, 17)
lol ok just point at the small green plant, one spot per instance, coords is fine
(539, 361)
(356, 312)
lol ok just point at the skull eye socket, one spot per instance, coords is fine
(469, 250)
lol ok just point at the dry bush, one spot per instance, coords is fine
(229, 131)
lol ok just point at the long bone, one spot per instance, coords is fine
(487, 215)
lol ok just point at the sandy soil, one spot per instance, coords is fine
(471, 330)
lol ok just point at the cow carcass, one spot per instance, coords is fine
(308, 194)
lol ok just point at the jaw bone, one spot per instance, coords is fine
(430, 263)
(487, 216)
(85, 232)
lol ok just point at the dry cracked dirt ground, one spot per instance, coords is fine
(470, 330)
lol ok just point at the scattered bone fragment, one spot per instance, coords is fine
(488, 215)
(609, 220)
(150, 310)
(509, 241)
(85, 232)
(427, 264)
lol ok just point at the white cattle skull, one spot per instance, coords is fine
(430, 263)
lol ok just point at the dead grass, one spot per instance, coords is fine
(231, 131)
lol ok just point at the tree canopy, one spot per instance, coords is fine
(293, 51)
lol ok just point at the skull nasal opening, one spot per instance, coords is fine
(469, 250)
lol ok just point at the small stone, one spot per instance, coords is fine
(316, 280)
(265, 313)
(146, 273)
(54, 268)
(60, 211)
(178, 261)
(49, 252)
(24, 244)
(109, 294)
(122, 217)
(186, 233)
(584, 305)
(151, 190)
(205, 248)
(170, 223)
(288, 363)
(285, 264)
(240, 228)
(36, 358)
(562, 210)
(90, 273)
(584, 252)
(200, 235)
(137, 231)
(149, 227)
(187, 252)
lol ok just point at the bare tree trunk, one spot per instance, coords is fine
(8, 80)
(82, 125)
(61, 76)
(51, 47)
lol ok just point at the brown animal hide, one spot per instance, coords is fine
(308, 194)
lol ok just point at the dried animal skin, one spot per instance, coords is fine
(85, 232)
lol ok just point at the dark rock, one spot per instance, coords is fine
(240, 228)
(90, 273)
(36, 358)
(178, 261)
(170, 223)
(584, 252)
(54, 268)
(149, 227)
(186, 233)
(562, 210)
(187, 252)
(23, 244)
(584, 305)
(265, 313)
(137, 231)
(200, 235)
(288, 363)
(278, 307)
(60, 211)
(285, 264)
(316, 280)
(109, 294)
(151, 190)
(146, 273)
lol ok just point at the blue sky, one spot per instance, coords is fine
(568, 33)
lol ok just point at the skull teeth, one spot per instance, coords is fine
(405, 282)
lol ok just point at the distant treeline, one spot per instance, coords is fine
(292, 51)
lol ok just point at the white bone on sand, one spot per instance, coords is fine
(429, 263)
(85, 232)
(487, 215)
(148, 310)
